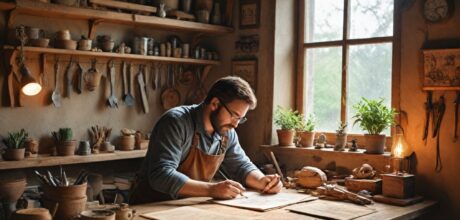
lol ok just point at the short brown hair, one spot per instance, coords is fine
(229, 88)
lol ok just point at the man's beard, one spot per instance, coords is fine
(215, 123)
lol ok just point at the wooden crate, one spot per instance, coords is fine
(374, 186)
(398, 186)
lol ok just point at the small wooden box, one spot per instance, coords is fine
(398, 186)
(374, 186)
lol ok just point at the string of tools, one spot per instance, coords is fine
(61, 178)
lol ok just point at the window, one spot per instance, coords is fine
(346, 53)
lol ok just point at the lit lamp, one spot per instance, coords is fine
(400, 150)
(29, 86)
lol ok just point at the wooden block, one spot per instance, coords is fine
(398, 186)
(374, 186)
(396, 201)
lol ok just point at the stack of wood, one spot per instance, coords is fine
(335, 192)
(98, 135)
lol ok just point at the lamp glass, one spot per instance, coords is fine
(31, 88)
(400, 148)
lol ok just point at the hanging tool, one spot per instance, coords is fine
(68, 78)
(129, 99)
(79, 78)
(43, 80)
(428, 112)
(56, 95)
(457, 102)
(140, 80)
(112, 100)
(438, 113)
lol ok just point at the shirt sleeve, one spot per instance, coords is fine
(236, 163)
(167, 141)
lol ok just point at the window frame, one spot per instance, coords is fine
(344, 42)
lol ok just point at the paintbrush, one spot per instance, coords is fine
(223, 175)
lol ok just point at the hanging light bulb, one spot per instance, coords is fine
(29, 86)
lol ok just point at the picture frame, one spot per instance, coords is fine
(441, 69)
(249, 14)
(247, 70)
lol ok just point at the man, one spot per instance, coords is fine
(189, 144)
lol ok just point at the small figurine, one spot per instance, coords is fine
(354, 146)
(161, 12)
(321, 141)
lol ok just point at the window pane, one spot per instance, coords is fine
(371, 18)
(323, 83)
(323, 20)
(369, 71)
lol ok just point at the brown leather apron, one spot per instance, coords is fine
(197, 165)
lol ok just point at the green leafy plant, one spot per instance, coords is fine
(341, 130)
(286, 118)
(62, 135)
(373, 116)
(306, 123)
(16, 140)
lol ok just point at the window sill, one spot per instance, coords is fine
(294, 158)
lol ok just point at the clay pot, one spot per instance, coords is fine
(285, 137)
(66, 148)
(375, 144)
(31, 214)
(11, 190)
(126, 143)
(66, 44)
(40, 42)
(14, 154)
(65, 192)
(124, 212)
(107, 46)
(306, 138)
(33, 33)
(85, 44)
(31, 146)
(67, 209)
(203, 5)
(92, 78)
(97, 215)
(340, 142)
(63, 35)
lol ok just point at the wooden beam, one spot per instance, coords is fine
(125, 6)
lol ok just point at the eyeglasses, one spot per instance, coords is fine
(235, 118)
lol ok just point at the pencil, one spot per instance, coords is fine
(223, 175)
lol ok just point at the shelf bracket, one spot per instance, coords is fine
(92, 24)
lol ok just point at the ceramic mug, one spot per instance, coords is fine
(34, 33)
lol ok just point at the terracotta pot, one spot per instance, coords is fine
(92, 79)
(66, 44)
(97, 215)
(340, 142)
(285, 137)
(64, 192)
(40, 42)
(11, 190)
(124, 212)
(85, 44)
(31, 214)
(375, 144)
(14, 154)
(107, 46)
(63, 35)
(67, 148)
(31, 146)
(126, 143)
(306, 138)
(67, 209)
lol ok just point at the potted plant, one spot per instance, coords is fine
(14, 144)
(288, 120)
(341, 136)
(305, 130)
(374, 117)
(65, 145)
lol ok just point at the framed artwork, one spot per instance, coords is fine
(249, 13)
(441, 69)
(247, 70)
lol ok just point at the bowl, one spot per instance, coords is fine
(40, 42)
(66, 44)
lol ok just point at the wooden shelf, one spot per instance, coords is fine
(46, 160)
(358, 153)
(441, 88)
(36, 8)
(115, 55)
(5, 6)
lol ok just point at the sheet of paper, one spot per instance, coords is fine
(332, 210)
(189, 213)
(264, 202)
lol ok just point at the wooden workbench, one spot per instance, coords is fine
(383, 211)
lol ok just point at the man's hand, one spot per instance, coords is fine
(227, 189)
(272, 184)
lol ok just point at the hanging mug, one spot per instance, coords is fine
(92, 77)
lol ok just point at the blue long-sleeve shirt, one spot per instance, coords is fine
(170, 143)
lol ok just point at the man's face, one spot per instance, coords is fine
(227, 116)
